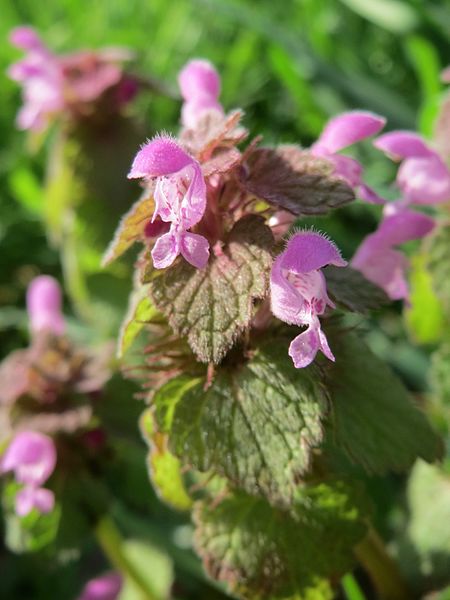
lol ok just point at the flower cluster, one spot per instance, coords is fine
(69, 84)
(423, 179)
(46, 393)
(299, 293)
(180, 199)
(200, 185)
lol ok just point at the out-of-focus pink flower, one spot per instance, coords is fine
(106, 587)
(55, 84)
(423, 176)
(44, 305)
(32, 458)
(379, 261)
(180, 199)
(445, 75)
(341, 132)
(30, 497)
(298, 291)
(200, 88)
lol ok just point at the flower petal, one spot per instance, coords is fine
(403, 226)
(304, 347)
(106, 587)
(348, 128)
(29, 497)
(44, 305)
(383, 266)
(309, 250)
(424, 180)
(162, 156)
(195, 249)
(26, 38)
(199, 78)
(403, 144)
(165, 250)
(32, 457)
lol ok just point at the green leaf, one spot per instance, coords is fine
(153, 566)
(440, 382)
(353, 291)
(212, 306)
(439, 265)
(372, 417)
(424, 315)
(140, 312)
(256, 425)
(424, 550)
(264, 552)
(294, 180)
(164, 468)
(130, 229)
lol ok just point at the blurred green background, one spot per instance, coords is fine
(290, 65)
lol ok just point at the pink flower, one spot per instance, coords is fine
(299, 294)
(32, 458)
(55, 84)
(342, 131)
(30, 497)
(200, 88)
(44, 305)
(41, 78)
(377, 258)
(106, 587)
(423, 176)
(180, 199)
(445, 75)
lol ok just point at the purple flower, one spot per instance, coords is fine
(106, 587)
(41, 78)
(32, 458)
(44, 305)
(342, 131)
(200, 88)
(377, 258)
(55, 84)
(30, 497)
(180, 199)
(299, 294)
(423, 176)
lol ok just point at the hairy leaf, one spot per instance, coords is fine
(212, 306)
(265, 552)
(352, 290)
(424, 316)
(212, 131)
(372, 416)
(256, 426)
(221, 162)
(292, 179)
(140, 312)
(130, 229)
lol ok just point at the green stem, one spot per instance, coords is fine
(110, 540)
(383, 571)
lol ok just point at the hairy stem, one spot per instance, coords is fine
(383, 571)
(110, 540)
